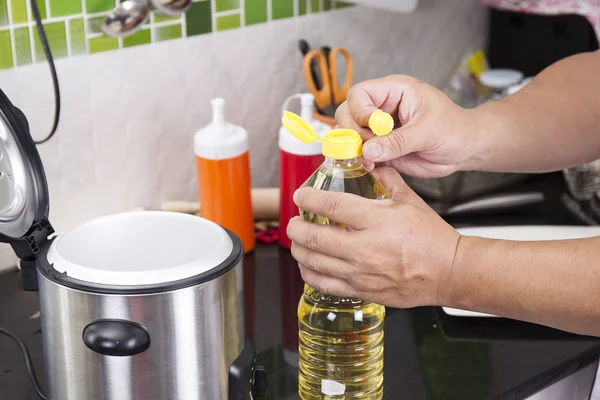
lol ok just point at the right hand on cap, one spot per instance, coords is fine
(433, 136)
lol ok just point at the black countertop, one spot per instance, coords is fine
(428, 354)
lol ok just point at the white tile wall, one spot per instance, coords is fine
(129, 116)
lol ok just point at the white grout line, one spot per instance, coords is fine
(9, 12)
(68, 38)
(213, 12)
(269, 11)
(166, 23)
(47, 8)
(151, 27)
(13, 46)
(85, 26)
(32, 25)
(228, 13)
(183, 26)
(98, 14)
(60, 19)
(296, 8)
(11, 32)
(242, 13)
(85, 35)
(32, 31)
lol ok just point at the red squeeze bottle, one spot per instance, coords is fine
(297, 162)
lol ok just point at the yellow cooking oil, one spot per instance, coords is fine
(340, 338)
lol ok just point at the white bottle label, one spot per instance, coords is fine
(332, 388)
(358, 316)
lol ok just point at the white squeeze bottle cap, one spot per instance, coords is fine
(220, 139)
(287, 141)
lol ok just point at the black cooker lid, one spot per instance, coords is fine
(23, 187)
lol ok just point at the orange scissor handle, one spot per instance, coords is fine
(340, 92)
(323, 97)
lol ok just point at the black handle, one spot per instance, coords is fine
(117, 338)
(259, 382)
(247, 377)
(314, 69)
(326, 51)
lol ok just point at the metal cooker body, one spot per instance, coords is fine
(195, 334)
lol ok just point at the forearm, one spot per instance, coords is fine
(552, 123)
(554, 283)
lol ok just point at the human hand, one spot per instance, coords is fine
(396, 252)
(434, 137)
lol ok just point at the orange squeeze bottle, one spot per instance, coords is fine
(222, 160)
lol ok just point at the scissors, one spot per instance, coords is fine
(330, 94)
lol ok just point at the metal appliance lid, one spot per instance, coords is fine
(140, 248)
(23, 186)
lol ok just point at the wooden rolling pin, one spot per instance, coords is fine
(265, 203)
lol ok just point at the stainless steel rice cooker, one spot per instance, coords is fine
(134, 306)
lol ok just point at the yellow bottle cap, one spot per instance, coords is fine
(341, 144)
(381, 123)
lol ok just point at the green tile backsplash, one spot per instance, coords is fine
(6, 60)
(140, 37)
(77, 36)
(99, 44)
(19, 11)
(198, 19)
(314, 6)
(73, 27)
(226, 22)
(22, 46)
(255, 11)
(57, 39)
(227, 5)
(302, 7)
(282, 8)
(60, 8)
(96, 6)
(3, 13)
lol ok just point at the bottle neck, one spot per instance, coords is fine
(314, 296)
(332, 162)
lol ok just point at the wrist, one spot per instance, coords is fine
(484, 135)
(454, 281)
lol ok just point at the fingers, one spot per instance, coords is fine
(322, 263)
(342, 208)
(397, 189)
(402, 141)
(326, 284)
(326, 239)
(414, 165)
(345, 120)
(369, 165)
(400, 96)
(385, 94)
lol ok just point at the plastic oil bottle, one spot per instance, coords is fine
(340, 339)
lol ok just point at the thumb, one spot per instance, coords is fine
(400, 142)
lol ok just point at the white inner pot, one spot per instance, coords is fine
(140, 248)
